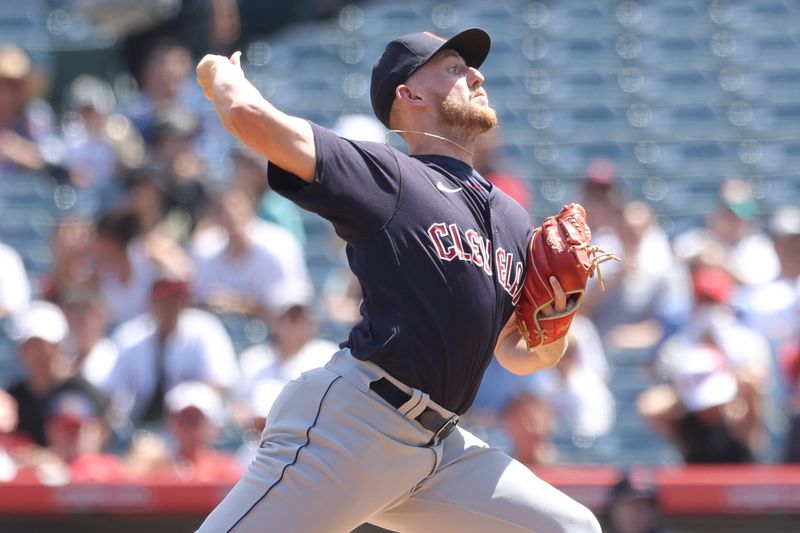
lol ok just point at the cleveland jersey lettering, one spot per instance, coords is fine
(449, 244)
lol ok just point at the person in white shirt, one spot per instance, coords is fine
(266, 368)
(244, 264)
(170, 344)
(15, 288)
(294, 349)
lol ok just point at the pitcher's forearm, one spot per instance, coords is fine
(285, 140)
(517, 359)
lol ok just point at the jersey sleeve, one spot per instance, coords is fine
(356, 185)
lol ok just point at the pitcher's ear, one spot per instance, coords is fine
(407, 94)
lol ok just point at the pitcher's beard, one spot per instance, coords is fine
(468, 117)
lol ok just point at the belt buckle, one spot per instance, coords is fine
(444, 431)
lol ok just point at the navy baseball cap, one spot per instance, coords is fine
(404, 55)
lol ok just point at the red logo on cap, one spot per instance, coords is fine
(431, 34)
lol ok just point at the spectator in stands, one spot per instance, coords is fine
(39, 332)
(76, 431)
(92, 159)
(162, 81)
(488, 162)
(15, 289)
(646, 292)
(166, 82)
(732, 238)
(8, 440)
(700, 409)
(128, 261)
(183, 171)
(789, 360)
(9, 413)
(163, 206)
(250, 175)
(602, 197)
(633, 507)
(167, 345)
(246, 265)
(746, 353)
(72, 264)
(91, 353)
(20, 127)
(576, 392)
(194, 416)
(529, 424)
(774, 308)
(294, 349)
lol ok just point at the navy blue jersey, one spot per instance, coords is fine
(438, 251)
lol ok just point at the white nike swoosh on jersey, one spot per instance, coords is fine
(444, 188)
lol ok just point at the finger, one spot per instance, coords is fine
(560, 303)
(236, 58)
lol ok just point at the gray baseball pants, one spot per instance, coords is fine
(334, 455)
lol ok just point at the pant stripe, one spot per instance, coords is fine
(296, 455)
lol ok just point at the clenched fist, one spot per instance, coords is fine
(210, 65)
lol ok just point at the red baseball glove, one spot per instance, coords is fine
(560, 247)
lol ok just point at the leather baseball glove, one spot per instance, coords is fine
(560, 247)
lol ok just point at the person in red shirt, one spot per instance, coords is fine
(194, 418)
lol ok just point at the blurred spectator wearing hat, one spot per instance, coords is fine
(714, 323)
(633, 505)
(645, 293)
(39, 332)
(167, 345)
(732, 238)
(701, 410)
(245, 264)
(195, 414)
(76, 431)
(25, 121)
(15, 288)
(91, 353)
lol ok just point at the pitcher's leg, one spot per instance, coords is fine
(481, 489)
(329, 460)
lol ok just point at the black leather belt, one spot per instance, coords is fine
(430, 419)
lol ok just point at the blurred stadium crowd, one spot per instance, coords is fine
(156, 295)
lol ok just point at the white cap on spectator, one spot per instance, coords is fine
(263, 394)
(359, 127)
(290, 295)
(195, 394)
(702, 380)
(785, 221)
(43, 320)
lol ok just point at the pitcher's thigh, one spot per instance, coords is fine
(322, 466)
(488, 491)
